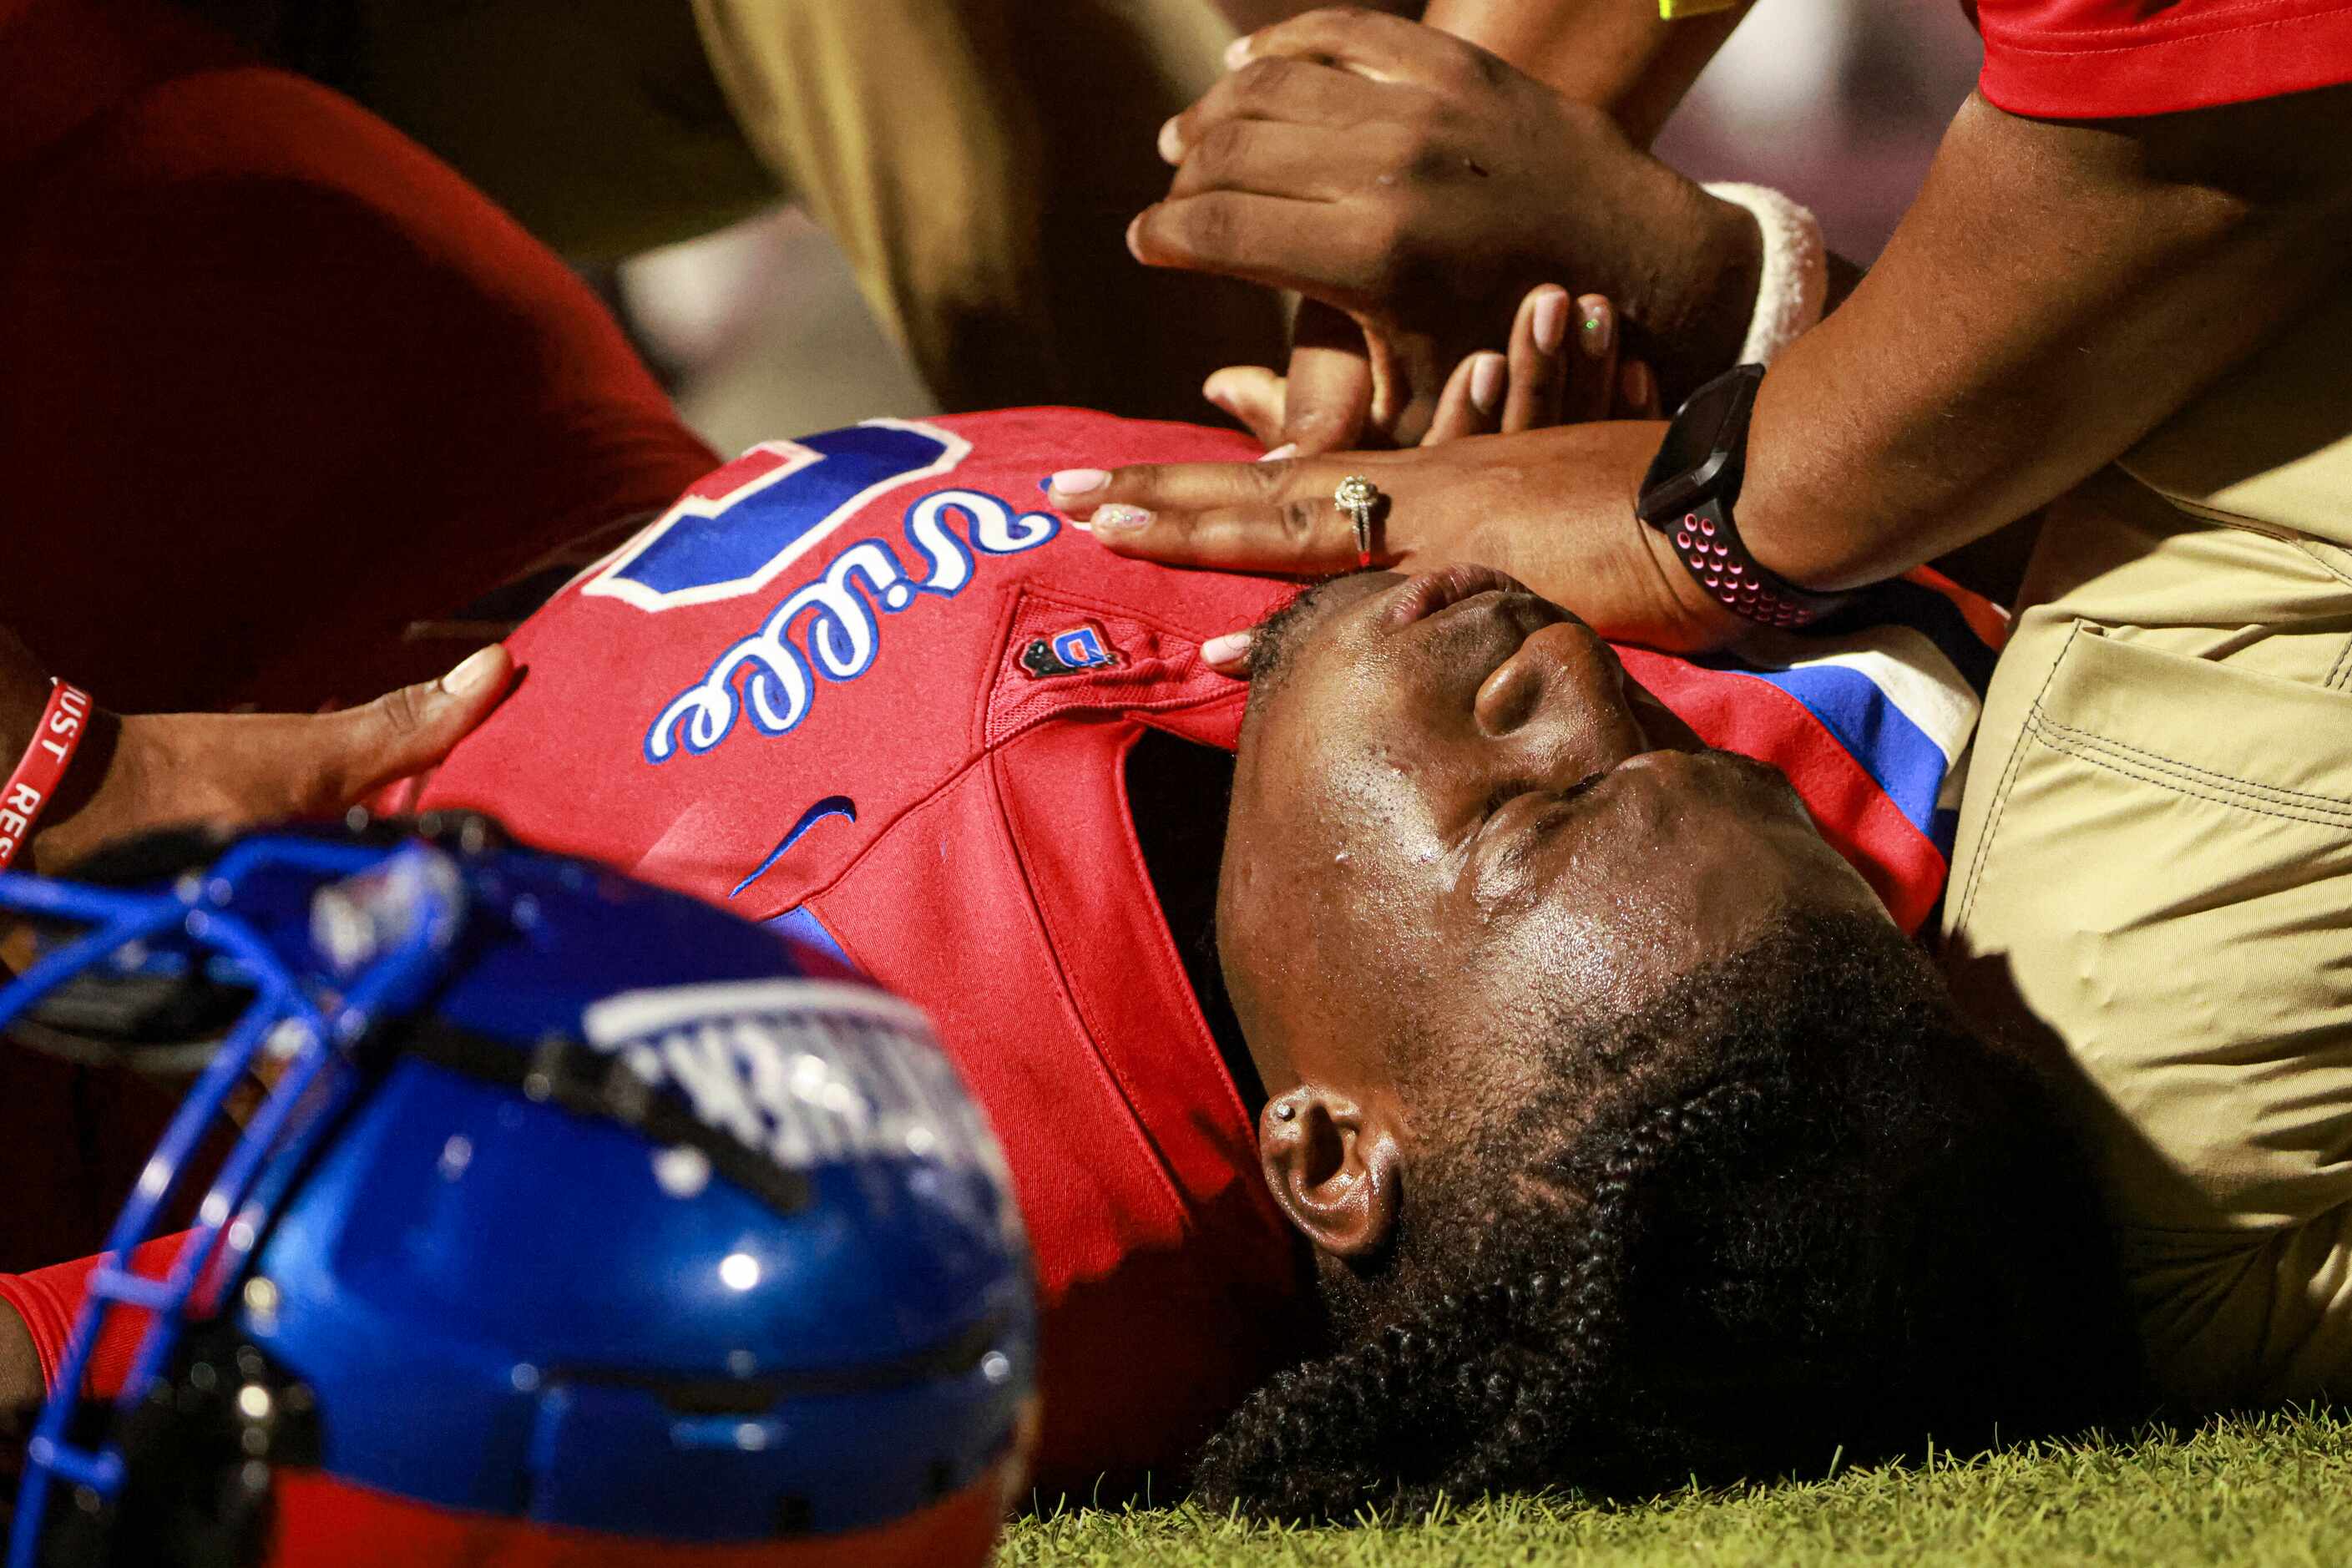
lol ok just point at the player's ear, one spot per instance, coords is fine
(1336, 1171)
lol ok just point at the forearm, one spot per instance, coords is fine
(20, 1368)
(1688, 317)
(64, 832)
(24, 691)
(2054, 294)
(1614, 54)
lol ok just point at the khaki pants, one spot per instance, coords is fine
(977, 161)
(2153, 877)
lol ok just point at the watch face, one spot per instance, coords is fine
(1697, 443)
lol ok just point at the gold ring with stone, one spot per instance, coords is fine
(1357, 496)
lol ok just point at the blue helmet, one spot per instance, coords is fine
(580, 1222)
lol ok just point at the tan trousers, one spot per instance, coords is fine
(977, 161)
(2153, 877)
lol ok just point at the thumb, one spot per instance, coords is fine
(401, 732)
(232, 770)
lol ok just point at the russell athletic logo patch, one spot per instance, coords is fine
(1082, 647)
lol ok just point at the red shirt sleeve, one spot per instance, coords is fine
(49, 1299)
(278, 381)
(2096, 60)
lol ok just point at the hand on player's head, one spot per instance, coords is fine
(1412, 186)
(1561, 365)
(1554, 508)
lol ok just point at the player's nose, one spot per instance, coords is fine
(1562, 678)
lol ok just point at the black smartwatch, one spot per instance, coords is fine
(1688, 494)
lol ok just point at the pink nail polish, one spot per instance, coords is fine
(1486, 383)
(1172, 142)
(1078, 481)
(1551, 323)
(1237, 53)
(1227, 651)
(1117, 519)
(1288, 450)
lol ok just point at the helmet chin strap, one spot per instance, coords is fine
(166, 1060)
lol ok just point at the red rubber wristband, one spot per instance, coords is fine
(56, 738)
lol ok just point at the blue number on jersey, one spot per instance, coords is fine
(734, 531)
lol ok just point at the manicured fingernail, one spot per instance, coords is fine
(1078, 481)
(1133, 247)
(1227, 652)
(477, 671)
(1288, 450)
(1486, 383)
(1551, 321)
(1596, 326)
(1117, 519)
(1237, 53)
(1172, 142)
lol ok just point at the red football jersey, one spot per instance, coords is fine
(870, 688)
(274, 383)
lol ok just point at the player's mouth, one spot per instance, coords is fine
(1427, 594)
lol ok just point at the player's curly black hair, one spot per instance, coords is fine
(1791, 1207)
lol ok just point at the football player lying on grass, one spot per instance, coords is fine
(1558, 1100)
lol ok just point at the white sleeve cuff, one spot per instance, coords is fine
(1794, 284)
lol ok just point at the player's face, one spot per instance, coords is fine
(1456, 820)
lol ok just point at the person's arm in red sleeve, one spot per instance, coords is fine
(37, 1312)
(279, 384)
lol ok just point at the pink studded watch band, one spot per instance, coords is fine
(1711, 548)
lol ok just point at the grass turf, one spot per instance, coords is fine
(2272, 1490)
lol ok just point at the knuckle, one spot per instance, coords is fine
(1262, 82)
(1270, 479)
(1204, 227)
(1221, 146)
(1485, 70)
(402, 712)
(1299, 521)
(1390, 259)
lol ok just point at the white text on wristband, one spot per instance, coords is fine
(30, 788)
